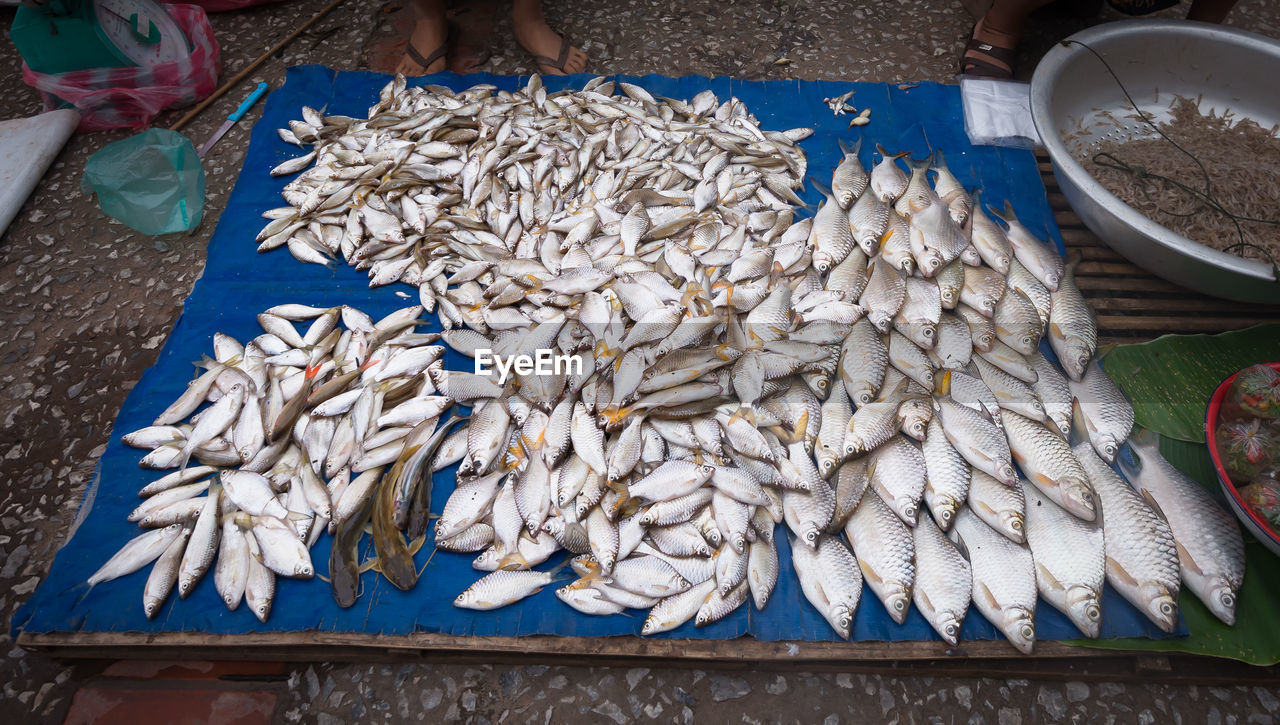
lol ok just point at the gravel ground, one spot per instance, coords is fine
(89, 304)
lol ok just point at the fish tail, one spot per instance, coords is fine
(939, 160)
(87, 588)
(942, 384)
(619, 414)
(558, 569)
(186, 458)
(1079, 432)
(513, 562)
(746, 411)
(1007, 214)
(312, 371)
(1145, 438)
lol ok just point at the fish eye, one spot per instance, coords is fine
(899, 605)
(1166, 608)
(951, 630)
(1092, 612)
(1016, 525)
(1027, 631)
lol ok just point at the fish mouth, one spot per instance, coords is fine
(1012, 522)
(897, 605)
(1163, 610)
(945, 512)
(1078, 498)
(1021, 630)
(1086, 614)
(1108, 448)
(1007, 475)
(1222, 602)
(949, 628)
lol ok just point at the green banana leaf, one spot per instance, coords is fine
(1170, 379)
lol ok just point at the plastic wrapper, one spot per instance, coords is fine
(998, 113)
(1254, 392)
(131, 96)
(1263, 497)
(152, 182)
(1247, 448)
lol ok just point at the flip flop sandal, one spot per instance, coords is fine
(426, 62)
(557, 63)
(1000, 65)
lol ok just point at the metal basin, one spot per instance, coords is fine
(1075, 102)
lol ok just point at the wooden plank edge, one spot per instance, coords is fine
(1051, 661)
(84, 644)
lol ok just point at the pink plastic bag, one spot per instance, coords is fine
(131, 96)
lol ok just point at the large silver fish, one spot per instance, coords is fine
(1209, 544)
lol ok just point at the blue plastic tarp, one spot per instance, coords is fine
(239, 283)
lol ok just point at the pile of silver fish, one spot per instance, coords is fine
(300, 427)
(868, 377)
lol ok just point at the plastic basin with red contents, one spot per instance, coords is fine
(1256, 525)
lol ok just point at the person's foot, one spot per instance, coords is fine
(989, 53)
(551, 52)
(425, 52)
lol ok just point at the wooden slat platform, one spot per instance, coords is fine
(1132, 304)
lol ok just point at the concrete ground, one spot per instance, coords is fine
(88, 303)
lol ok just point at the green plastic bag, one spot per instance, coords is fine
(152, 182)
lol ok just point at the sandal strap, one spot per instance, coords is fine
(557, 63)
(426, 62)
(1004, 55)
(984, 59)
(984, 68)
